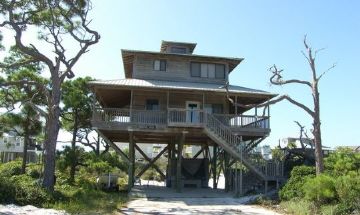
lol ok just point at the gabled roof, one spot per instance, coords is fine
(128, 59)
(177, 85)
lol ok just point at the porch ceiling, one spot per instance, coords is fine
(119, 97)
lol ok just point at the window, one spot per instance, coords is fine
(220, 71)
(214, 108)
(152, 104)
(207, 70)
(160, 65)
(178, 50)
(195, 69)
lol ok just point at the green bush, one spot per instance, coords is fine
(122, 183)
(343, 161)
(320, 189)
(294, 187)
(348, 190)
(34, 170)
(11, 168)
(7, 190)
(27, 191)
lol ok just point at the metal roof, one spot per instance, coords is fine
(176, 85)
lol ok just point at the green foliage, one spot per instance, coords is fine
(99, 167)
(320, 189)
(277, 154)
(348, 190)
(293, 188)
(89, 201)
(7, 190)
(298, 207)
(343, 162)
(27, 191)
(77, 99)
(10, 169)
(22, 190)
(34, 170)
(337, 191)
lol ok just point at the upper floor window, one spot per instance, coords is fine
(178, 50)
(207, 70)
(152, 104)
(160, 65)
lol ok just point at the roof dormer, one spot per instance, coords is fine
(177, 47)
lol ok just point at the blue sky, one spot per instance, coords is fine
(262, 32)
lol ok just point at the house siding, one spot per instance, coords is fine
(176, 99)
(177, 69)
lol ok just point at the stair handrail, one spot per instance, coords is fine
(225, 133)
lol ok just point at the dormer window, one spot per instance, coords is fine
(178, 50)
(160, 65)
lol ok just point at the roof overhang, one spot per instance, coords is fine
(120, 89)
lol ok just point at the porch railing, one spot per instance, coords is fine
(177, 117)
(246, 121)
(124, 116)
(185, 117)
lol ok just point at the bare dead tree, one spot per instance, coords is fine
(314, 112)
(85, 138)
(56, 21)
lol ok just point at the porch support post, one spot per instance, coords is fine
(131, 104)
(167, 107)
(203, 101)
(266, 186)
(131, 160)
(236, 105)
(172, 164)
(214, 166)
(226, 171)
(181, 141)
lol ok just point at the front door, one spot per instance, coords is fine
(192, 112)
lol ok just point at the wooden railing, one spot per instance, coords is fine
(247, 121)
(177, 117)
(185, 117)
(111, 115)
(226, 136)
(116, 115)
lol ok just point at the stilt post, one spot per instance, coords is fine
(131, 169)
(180, 144)
(214, 161)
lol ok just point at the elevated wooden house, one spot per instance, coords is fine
(175, 97)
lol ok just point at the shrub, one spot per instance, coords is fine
(348, 190)
(34, 170)
(7, 190)
(11, 168)
(27, 191)
(342, 162)
(122, 183)
(320, 189)
(294, 187)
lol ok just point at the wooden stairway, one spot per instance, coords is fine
(232, 144)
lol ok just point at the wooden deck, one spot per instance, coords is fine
(159, 126)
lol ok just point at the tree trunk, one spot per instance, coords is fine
(52, 131)
(24, 158)
(26, 143)
(97, 147)
(319, 161)
(73, 149)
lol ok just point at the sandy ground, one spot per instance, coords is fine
(185, 206)
(27, 210)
